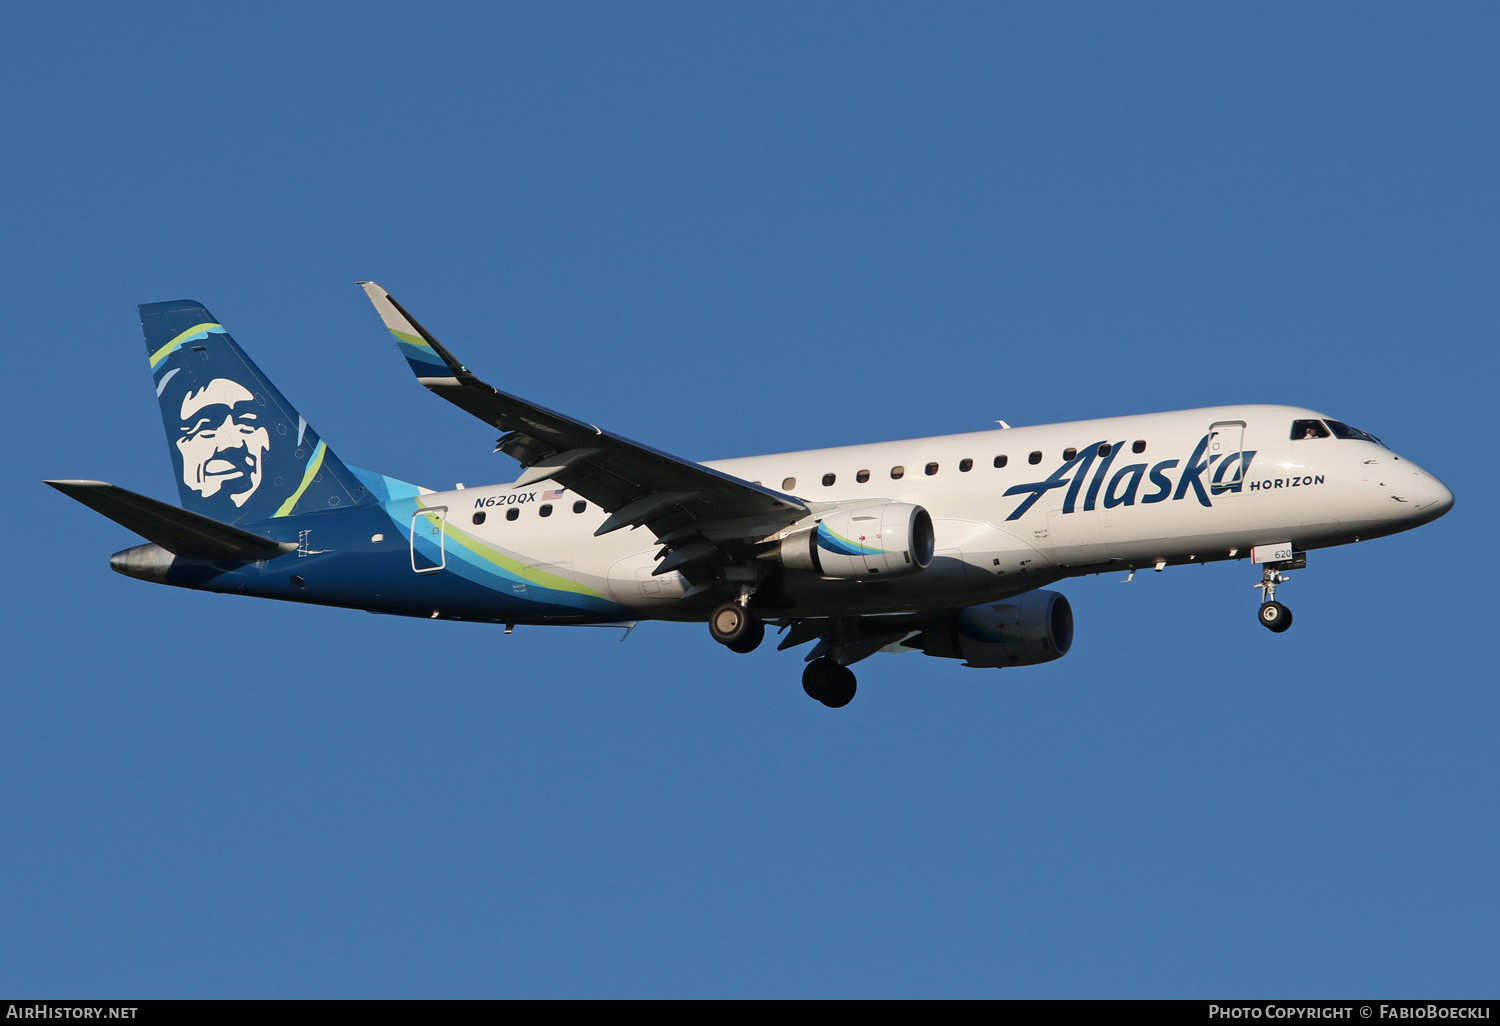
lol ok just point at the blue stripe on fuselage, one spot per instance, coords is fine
(340, 564)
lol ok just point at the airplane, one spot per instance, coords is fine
(940, 545)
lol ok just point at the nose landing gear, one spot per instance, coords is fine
(1273, 615)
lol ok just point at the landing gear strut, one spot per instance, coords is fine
(1273, 615)
(829, 683)
(736, 628)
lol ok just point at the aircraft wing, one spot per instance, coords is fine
(691, 508)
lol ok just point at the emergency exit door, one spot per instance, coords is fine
(428, 537)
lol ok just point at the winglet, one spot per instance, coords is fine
(429, 361)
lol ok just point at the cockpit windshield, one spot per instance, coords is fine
(1317, 429)
(1342, 430)
(1308, 429)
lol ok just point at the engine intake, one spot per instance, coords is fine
(1036, 627)
(893, 539)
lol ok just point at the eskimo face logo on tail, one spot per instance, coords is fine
(223, 442)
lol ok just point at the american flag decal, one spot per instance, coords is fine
(553, 493)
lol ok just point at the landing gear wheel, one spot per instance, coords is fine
(843, 692)
(732, 624)
(1275, 617)
(829, 683)
(750, 639)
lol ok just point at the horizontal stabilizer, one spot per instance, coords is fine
(177, 530)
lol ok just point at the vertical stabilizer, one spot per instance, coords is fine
(241, 451)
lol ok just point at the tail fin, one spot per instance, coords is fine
(242, 452)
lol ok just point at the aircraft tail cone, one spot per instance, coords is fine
(149, 562)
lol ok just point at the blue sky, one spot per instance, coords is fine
(726, 230)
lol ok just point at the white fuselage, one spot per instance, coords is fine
(1186, 486)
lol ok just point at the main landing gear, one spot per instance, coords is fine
(736, 628)
(1273, 615)
(825, 679)
(739, 630)
(830, 683)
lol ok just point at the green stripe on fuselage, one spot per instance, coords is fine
(513, 567)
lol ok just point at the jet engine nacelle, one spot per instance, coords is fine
(1036, 627)
(892, 539)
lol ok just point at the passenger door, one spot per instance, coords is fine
(1226, 438)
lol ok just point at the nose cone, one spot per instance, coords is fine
(1430, 498)
(1436, 497)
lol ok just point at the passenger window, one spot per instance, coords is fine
(512, 513)
(930, 469)
(1105, 449)
(828, 480)
(1070, 454)
(1001, 461)
(862, 476)
(897, 473)
(580, 506)
(1308, 429)
(478, 518)
(545, 511)
(964, 466)
(1139, 445)
(1034, 458)
(788, 484)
